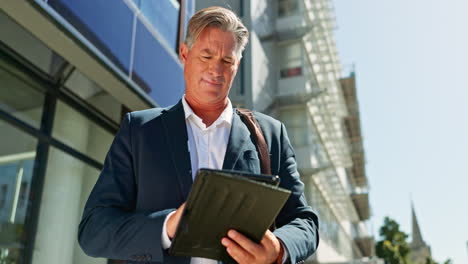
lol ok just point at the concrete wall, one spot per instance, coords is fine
(263, 14)
(263, 77)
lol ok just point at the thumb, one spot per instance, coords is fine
(173, 221)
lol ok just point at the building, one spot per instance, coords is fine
(291, 70)
(419, 250)
(69, 70)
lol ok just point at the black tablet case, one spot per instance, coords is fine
(223, 200)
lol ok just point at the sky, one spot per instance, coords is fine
(411, 65)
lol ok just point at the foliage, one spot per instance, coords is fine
(393, 247)
(432, 261)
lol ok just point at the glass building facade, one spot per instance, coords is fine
(58, 116)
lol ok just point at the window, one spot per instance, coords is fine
(164, 16)
(291, 60)
(288, 8)
(80, 133)
(25, 44)
(17, 152)
(19, 97)
(93, 94)
(3, 195)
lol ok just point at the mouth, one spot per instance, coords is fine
(211, 82)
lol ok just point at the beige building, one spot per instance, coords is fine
(291, 70)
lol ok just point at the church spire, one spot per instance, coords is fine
(417, 239)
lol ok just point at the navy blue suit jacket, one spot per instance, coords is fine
(147, 174)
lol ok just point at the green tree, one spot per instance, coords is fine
(393, 247)
(430, 260)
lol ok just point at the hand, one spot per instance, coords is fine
(173, 221)
(244, 250)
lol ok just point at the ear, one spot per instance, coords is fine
(183, 53)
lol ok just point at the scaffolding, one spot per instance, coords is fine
(340, 177)
(328, 109)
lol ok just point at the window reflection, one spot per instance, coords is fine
(164, 16)
(20, 97)
(16, 171)
(28, 46)
(89, 91)
(80, 133)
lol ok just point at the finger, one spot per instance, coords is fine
(244, 242)
(178, 214)
(268, 239)
(239, 254)
(272, 245)
(181, 208)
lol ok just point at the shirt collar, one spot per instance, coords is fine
(225, 117)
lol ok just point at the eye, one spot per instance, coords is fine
(227, 61)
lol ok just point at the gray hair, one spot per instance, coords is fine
(218, 17)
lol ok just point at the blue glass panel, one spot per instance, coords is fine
(107, 25)
(164, 16)
(190, 7)
(186, 21)
(189, 11)
(155, 70)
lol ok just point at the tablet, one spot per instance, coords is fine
(222, 200)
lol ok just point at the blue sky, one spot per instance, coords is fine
(411, 62)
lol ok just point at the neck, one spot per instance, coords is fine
(207, 112)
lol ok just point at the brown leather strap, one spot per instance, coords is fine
(262, 148)
(254, 128)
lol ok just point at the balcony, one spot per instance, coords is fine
(292, 26)
(366, 245)
(297, 83)
(308, 160)
(296, 90)
(294, 19)
(363, 240)
(361, 202)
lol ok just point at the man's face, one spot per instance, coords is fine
(210, 66)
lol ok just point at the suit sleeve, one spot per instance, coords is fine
(110, 227)
(297, 223)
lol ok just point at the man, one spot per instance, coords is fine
(131, 213)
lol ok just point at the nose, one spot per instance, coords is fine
(215, 68)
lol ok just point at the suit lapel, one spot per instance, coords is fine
(176, 133)
(238, 137)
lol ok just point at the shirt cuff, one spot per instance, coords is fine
(285, 253)
(165, 240)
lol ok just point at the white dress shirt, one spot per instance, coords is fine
(207, 147)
